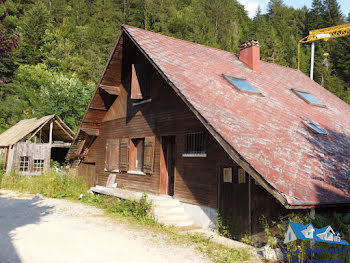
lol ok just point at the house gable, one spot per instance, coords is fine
(290, 235)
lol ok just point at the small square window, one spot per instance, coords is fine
(241, 176)
(24, 164)
(195, 144)
(38, 165)
(308, 98)
(241, 84)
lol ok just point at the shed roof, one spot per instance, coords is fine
(24, 127)
(267, 131)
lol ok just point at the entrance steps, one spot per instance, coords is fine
(170, 211)
(165, 209)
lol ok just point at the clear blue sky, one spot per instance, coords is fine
(251, 5)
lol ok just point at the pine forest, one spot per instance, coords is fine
(52, 52)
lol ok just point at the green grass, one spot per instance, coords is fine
(51, 184)
(138, 214)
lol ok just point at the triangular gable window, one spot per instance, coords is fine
(141, 82)
(241, 84)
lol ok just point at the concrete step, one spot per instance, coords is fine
(175, 217)
(165, 203)
(168, 210)
(178, 223)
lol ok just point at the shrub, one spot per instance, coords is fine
(224, 226)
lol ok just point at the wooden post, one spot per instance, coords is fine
(50, 136)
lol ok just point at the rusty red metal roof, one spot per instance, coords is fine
(267, 131)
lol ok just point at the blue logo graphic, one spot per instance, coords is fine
(326, 234)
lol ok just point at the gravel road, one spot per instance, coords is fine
(59, 231)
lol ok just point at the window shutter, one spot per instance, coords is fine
(112, 154)
(135, 85)
(124, 155)
(149, 154)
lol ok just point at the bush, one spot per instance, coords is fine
(223, 225)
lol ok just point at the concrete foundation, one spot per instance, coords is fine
(203, 216)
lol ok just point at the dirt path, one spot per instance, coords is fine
(59, 231)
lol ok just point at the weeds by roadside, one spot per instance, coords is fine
(51, 184)
(68, 186)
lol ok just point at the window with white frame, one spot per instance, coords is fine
(38, 165)
(24, 164)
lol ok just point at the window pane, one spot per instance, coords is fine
(139, 153)
(314, 127)
(309, 98)
(241, 84)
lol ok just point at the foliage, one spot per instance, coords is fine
(67, 98)
(64, 47)
(223, 225)
(50, 184)
(8, 41)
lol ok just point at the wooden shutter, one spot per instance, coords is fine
(135, 85)
(149, 154)
(124, 155)
(112, 154)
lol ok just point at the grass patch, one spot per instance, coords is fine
(68, 186)
(51, 184)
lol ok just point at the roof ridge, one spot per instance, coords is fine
(205, 46)
(179, 39)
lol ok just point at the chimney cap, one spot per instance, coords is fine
(249, 43)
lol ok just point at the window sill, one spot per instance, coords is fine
(111, 171)
(194, 155)
(136, 172)
(141, 102)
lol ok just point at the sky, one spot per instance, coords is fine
(251, 5)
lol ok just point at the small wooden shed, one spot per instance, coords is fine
(30, 145)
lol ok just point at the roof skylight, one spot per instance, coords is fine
(241, 84)
(314, 126)
(309, 98)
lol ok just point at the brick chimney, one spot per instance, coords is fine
(250, 54)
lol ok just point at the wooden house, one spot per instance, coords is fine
(220, 132)
(30, 145)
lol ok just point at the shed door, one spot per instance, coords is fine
(234, 200)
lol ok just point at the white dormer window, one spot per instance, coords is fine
(308, 232)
